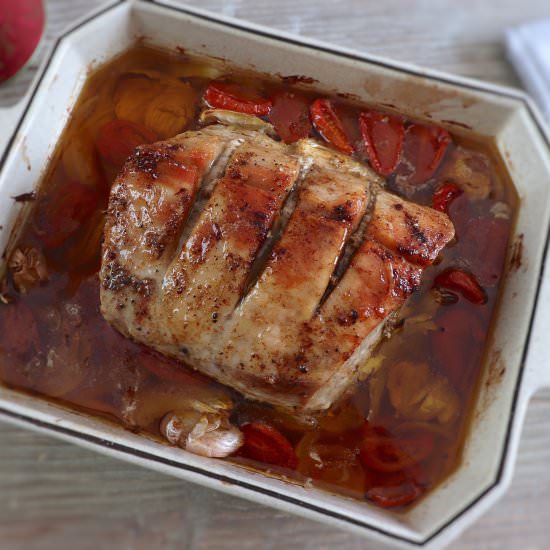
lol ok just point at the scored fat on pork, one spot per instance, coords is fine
(270, 267)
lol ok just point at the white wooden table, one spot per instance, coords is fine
(54, 495)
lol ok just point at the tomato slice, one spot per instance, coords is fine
(423, 150)
(226, 95)
(444, 196)
(63, 212)
(165, 369)
(394, 495)
(484, 245)
(464, 283)
(384, 453)
(383, 138)
(118, 138)
(332, 464)
(458, 344)
(329, 125)
(264, 443)
(290, 116)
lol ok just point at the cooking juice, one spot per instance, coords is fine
(400, 429)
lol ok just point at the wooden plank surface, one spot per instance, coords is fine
(55, 495)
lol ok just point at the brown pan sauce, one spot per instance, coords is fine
(401, 429)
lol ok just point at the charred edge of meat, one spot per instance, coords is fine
(276, 232)
(405, 283)
(116, 278)
(146, 159)
(341, 213)
(421, 248)
(416, 232)
(209, 181)
(405, 276)
(423, 254)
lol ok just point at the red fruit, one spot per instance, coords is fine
(392, 496)
(21, 26)
(382, 452)
(423, 149)
(290, 116)
(458, 344)
(225, 95)
(265, 444)
(329, 125)
(117, 139)
(444, 196)
(383, 137)
(464, 283)
(484, 246)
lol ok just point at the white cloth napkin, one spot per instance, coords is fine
(528, 48)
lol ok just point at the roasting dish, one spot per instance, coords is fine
(506, 116)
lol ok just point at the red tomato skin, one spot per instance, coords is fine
(458, 344)
(264, 443)
(21, 24)
(383, 138)
(394, 496)
(290, 116)
(63, 213)
(484, 245)
(224, 95)
(117, 139)
(444, 196)
(384, 453)
(423, 149)
(326, 122)
(464, 283)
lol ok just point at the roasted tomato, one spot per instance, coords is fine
(226, 95)
(264, 443)
(392, 496)
(118, 138)
(383, 453)
(329, 125)
(331, 461)
(63, 212)
(423, 150)
(458, 344)
(290, 116)
(444, 196)
(383, 139)
(484, 246)
(462, 282)
(395, 489)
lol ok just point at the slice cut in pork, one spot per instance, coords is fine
(270, 267)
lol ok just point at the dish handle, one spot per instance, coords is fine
(9, 116)
(538, 355)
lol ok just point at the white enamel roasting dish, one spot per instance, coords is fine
(28, 135)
